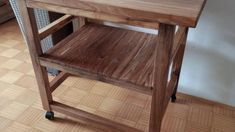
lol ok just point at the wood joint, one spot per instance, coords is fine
(58, 80)
(55, 26)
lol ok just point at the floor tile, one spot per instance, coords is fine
(11, 77)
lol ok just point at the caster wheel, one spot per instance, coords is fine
(173, 98)
(49, 115)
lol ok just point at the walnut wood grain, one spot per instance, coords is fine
(33, 41)
(177, 12)
(54, 26)
(178, 59)
(178, 41)
(92, 15)
(134, 60)
(162, 57)
(107, 53)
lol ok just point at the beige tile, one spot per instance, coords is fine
(37, 104)
(23, 56)
(31, 73)
(17, 127)
(22, 46)
(137, 98)
(145, 116)
(3, 72)
(3, 59)
(92, 101)
(130, 112)
(201, 115)
(11, 64)
(31, 82)
(194, 127)
(178, 110)
(13, 110)
(4, 102)
(84, 84)
(60, 90)
(4, 122)
(11, 77)
(223, 123)
(101, 88)
(70, 81)
(10, 53)
(24, 68)
(3, 86)
(73, 96)
(2, 48)
(142, 127)
(12, 92)
(226, 112)
(28, 97)
(65, 125)
(34, 130)
(9, 43)
(118, 93)
(83, 128)
(30, 116)
(46, 125)
(110, 106)
(171, 124)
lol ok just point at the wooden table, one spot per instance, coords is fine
(130, 59)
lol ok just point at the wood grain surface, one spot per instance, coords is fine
(109, 52)
(178, 12)
(134, 60)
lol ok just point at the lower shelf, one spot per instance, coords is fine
(108, 54)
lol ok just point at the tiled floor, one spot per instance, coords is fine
(21, 111)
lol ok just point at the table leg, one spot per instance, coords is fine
(177, 63)
(34, 45)
(162, 56)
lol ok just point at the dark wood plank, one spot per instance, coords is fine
(107, 54)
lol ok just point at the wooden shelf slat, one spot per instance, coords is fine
(107, 54)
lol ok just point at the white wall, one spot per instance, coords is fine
(209, 64)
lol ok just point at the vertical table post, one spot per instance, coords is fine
(78, 23)
(177, 62)
(34, 45)
(161, 70)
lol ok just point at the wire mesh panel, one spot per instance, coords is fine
(42, 19)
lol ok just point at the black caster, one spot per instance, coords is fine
(49, 115)
(173, 98)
